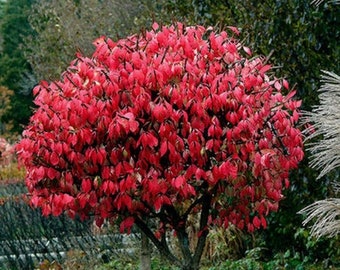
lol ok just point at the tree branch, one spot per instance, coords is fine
(187, 212)
(203, 228)
(160, 245)
(183, 241)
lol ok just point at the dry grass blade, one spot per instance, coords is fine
(318, 2)
(336, 187)
(327, 214)
(325, 118)
(325, 153)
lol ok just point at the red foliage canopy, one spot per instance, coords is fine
(151, 124)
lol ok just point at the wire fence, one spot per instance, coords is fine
(27, 238)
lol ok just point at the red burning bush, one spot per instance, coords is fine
(176, 121)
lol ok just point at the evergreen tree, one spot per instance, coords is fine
(14, 69)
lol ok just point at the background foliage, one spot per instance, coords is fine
(14, 69)
(62, 28)
(5, 106)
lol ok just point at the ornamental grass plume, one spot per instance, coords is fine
(325, 154)
(326, 212)
(325, 119)
(319, 2)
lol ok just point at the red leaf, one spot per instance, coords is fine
(159, 112)
(158, 234)
(263, 222)
(147, 139)
(285, 84)
(99, 222)
(256, 222)
(290, 95)
(155, 26)
(264, 69)
(101, 155)
(247, 50)
(86, 185)
(234, 29)
(99, 40)
(163, 148)
(38, 173)
(158, 203)
(92, 199)
(153, 187)
(178, 182)
(126, 225)
(166, 200)
(266, 160)
(67, 199)
(57, 205)
(133, 125)
(36, 89)
(286, 183)
(72, 139)
(199, 173)
(128, 168)
(82, 200)
(52, 173)
(152, 140)
(35, 201)
(190, 190)
(162, 38)
(228, 170)
(46, 209)
(126, 201)
(119, 169)
(58, 149)
(277, 85)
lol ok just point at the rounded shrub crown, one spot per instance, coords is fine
(155, 121)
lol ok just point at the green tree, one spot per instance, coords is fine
(5, 106)
(62, 28)
(13, 66)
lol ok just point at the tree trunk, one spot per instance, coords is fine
(192, 261)
(189, 261)
(145, 253)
